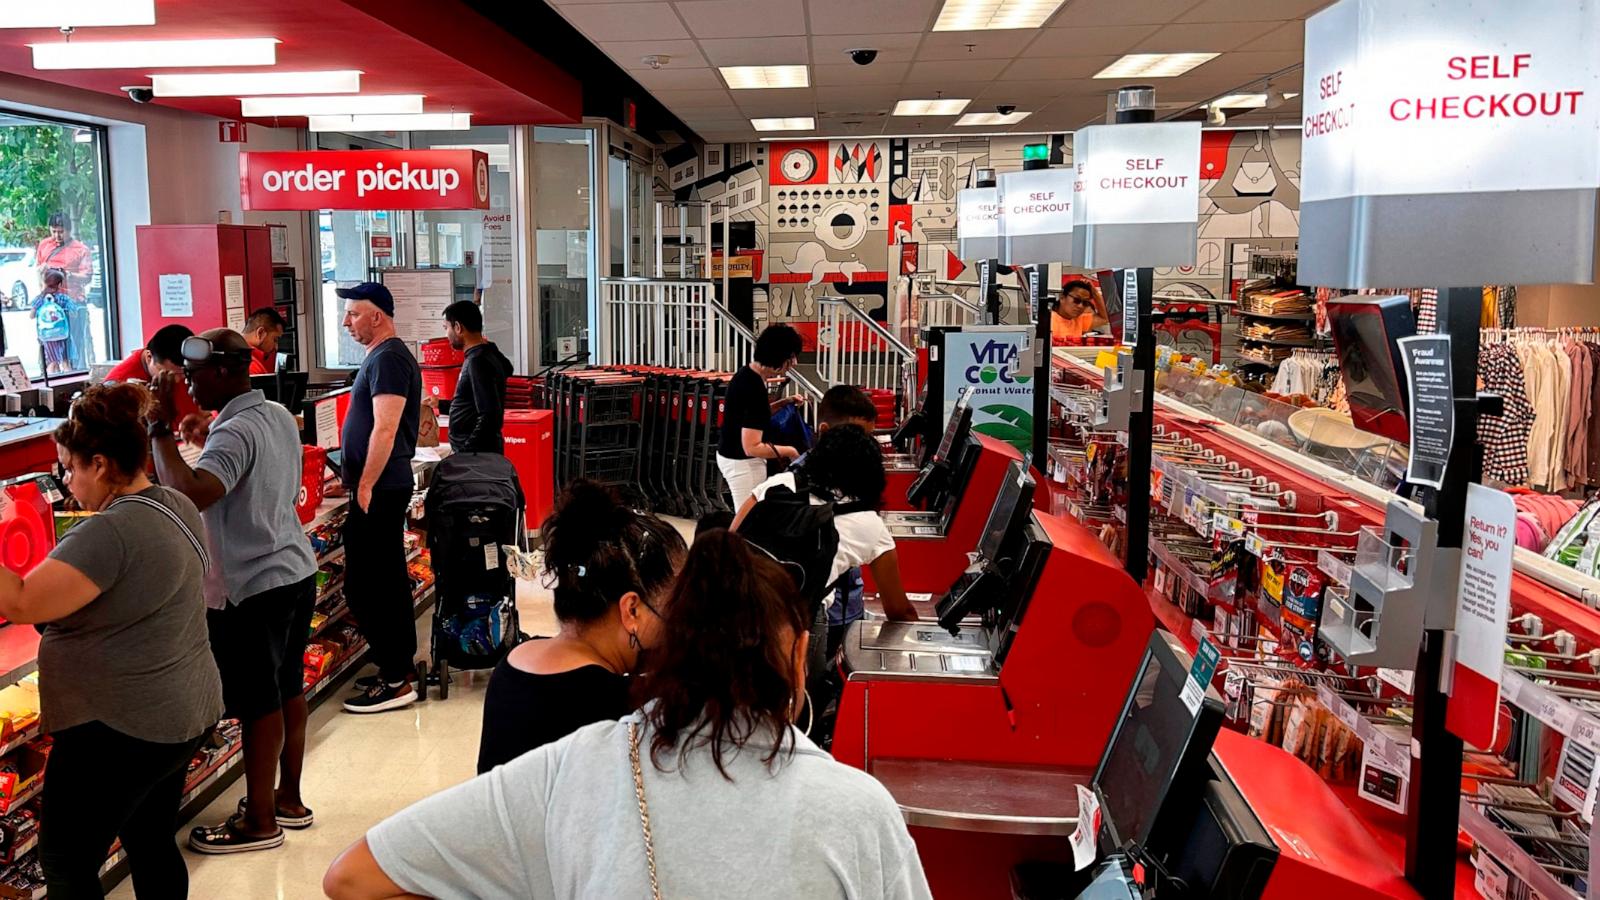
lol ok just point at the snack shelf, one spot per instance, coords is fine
(21, 737)
(19, 653)
(329, 507)
(333, 555)
(1175, 566)
(22, 799)
(1394, 753)
(212, 774)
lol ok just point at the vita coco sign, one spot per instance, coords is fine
(1136, 194)
(1470, 110)
(978, 223)
(364, 179)
(985, 362)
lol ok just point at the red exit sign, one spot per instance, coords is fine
(231, 132)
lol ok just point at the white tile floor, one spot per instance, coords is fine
(359, 769)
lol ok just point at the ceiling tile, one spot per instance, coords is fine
(951, 70)
(1203, 37)
(685, 55)
(829, 49)
(776, 103)
(952, 45)
(1291, 36)
(1038, 68)
(677, 79)
(1090, 13)
(742, 18)
(921, 89)
(848, 74)
(1035, 93)
(625, 21)
(857, 96)
(761, 51)
(871, 16)
(1250, 10)
(1089, 41)
(694, 99)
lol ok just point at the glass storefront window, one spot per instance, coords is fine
(565, 198)
(54, 216)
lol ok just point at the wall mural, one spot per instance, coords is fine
(830, 216)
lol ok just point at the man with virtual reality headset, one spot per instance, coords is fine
(262, 586)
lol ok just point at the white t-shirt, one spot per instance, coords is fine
(862, 535)
(562, 822)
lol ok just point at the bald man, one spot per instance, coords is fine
(262, 586)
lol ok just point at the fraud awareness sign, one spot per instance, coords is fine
(986, 363)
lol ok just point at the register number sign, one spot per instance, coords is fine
(364, 179)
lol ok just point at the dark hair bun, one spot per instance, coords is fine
(588, 514)
(599, 549)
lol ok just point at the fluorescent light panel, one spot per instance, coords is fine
(1241, 101)
(415, 122)
(793, 123)
(930, 107)
(1154, 65)
(250, 84)
(79, 14)
(992, 118)
(741, 78)
(155, 54)
(352, 105)
(983, 15)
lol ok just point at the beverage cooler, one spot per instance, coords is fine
(203, 276)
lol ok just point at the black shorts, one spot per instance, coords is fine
(260, 646)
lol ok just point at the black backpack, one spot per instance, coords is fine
(799, 535)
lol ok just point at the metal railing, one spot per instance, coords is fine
(654, 322)
(941, 309)
(852, 348)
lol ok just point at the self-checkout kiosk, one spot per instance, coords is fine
(952, 493)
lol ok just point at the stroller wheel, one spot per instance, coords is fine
(441, 674)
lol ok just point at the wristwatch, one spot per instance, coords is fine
(158, 429)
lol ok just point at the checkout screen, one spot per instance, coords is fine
(1147, 747)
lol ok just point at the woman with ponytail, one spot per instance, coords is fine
(609, 568)
(709, 791)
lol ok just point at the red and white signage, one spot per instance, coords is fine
(1483, 603)
(1456, 96)
(231, 132)
(364, 179)
(1143, 174)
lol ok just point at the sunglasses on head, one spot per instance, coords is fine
(198, 351)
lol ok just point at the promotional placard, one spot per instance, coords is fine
(364, 179)
(1483, 603)
(1036, 216)
(986, 361)
(1456, 112)
(1136, 193)
(1431, 406)
(1130, 306)
(978, 223)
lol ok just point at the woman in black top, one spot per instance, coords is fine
(610, 569)
(742, 448)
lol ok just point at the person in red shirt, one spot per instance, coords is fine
(262, 331)
(63, 251)
(162, 353)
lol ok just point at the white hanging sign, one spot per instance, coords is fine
(1036, 216)
(1448, 97)
(978, 223)
(1137, 174)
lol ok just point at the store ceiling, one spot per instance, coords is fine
(461, 61)
(1047, 70)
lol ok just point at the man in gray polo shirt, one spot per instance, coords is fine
(262, 584)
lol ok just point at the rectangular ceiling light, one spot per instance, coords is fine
(1154, 65)
(793, 123)
(352, 105)
(993, 118)
(79, 14)
(1241, 101)
(250, 84)
(930, 107)
(155, 54)
(416, 122)
(741, 78)
(984, 15)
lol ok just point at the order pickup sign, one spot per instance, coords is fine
(364, 179)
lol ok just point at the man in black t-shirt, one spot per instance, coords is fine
(378, 441)
(742, 448)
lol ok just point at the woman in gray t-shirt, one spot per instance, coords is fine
(127, 684)
(734, 801)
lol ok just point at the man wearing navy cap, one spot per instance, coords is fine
(378, 441)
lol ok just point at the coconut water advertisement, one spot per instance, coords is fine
(986, 361)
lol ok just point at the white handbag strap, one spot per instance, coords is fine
(196, 543)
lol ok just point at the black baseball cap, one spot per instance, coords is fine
(372, 292)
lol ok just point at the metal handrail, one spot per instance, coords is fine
(877, 327)
(881, 364)
(795, 384)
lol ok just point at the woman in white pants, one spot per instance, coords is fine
(742, 449)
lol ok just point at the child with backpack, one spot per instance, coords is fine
(50, 318)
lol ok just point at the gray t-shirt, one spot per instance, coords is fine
(562, 822)
(257, 541)
(137, 657)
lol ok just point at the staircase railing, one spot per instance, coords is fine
(942, 309)
(852, 348)
(738, 347)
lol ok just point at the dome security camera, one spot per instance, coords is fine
(140, 94)
(863, 56)
(1005, 109)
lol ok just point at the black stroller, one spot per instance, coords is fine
(474, 508)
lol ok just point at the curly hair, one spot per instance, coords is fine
(108, 420)
(848, 462)
(724, 674)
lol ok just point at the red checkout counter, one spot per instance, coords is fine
(984, 732)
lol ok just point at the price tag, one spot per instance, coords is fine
(1492, 882)
(1254, 545)
(1381, 783)
(1087, 834)
(1206, 657)
(1227, 525)
(491, 556)
(1161, 581)
(1398, 678)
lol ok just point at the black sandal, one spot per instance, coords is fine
(226, 838)
(286, 821)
